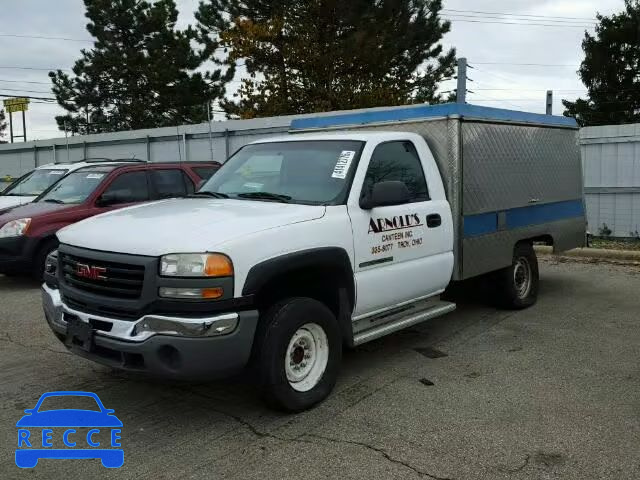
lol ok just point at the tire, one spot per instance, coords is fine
(306, 334)
(518, 284)
(40, 257)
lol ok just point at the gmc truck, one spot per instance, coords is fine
(347, 229)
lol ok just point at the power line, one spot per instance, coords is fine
(24, 81)
(22, 90)
(515, 14)
(42, 37)
(10, 67)
(519, 23)
(527, 90)
(502, 78)
(527, 64)
(29, 97)
(526, 20)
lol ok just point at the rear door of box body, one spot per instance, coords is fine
(518, 182)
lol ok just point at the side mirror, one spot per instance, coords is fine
(107, 199)
(385, 194)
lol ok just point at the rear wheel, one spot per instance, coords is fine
(298, 355)
(41, 257)
(518, 284)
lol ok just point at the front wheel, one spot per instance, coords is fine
(299, 350)
(518, 284)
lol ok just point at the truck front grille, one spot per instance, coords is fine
(102, 278)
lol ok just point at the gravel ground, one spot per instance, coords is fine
(549, 392)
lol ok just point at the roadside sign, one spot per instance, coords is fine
(16, 104)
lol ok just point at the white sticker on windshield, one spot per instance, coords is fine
(344, 162)
(95, 175)
(253, 185)
(56, 172)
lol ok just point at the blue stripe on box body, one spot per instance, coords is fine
(485, 223)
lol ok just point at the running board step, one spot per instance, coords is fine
(414, 315)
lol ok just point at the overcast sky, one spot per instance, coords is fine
(496, 50)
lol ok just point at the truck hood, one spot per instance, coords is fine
(186, 225)
(8, 201)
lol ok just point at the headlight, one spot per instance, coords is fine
(196, 265)
(15, 228)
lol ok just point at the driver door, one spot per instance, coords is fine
(401, 251)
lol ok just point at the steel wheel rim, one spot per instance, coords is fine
(522, 277)
(306, 357)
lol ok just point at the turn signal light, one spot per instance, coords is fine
(212, 293)
(191, 293)
(218, 266)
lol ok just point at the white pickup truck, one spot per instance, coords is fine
(305, 244)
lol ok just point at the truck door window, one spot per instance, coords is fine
(128, 188)
(171, 183)
(397, 161)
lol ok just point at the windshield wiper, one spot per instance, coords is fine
(53, 200)
(265, 196)
(208, 194)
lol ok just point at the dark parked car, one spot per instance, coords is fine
(28, 232)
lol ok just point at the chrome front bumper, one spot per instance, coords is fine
(137, 330)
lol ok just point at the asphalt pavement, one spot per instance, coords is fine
(551, 392)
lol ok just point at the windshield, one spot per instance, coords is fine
(75, 187)
(306, 172)
(36, 182)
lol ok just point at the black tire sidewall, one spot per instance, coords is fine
(278, 326)
(511, 298)
(41, 256)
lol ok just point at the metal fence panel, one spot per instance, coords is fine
(611, 163)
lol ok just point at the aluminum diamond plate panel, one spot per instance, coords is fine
(508, 166)
(488, 253)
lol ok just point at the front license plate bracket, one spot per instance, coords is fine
(79, 334)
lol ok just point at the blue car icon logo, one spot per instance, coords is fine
(69, 433)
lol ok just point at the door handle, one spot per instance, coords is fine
(434, 220)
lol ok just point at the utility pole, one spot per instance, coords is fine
(461, 93)
(209, 124)
(549, 102)
(66, 136)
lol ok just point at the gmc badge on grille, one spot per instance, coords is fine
(89, 271)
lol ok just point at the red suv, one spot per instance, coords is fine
(28, 232)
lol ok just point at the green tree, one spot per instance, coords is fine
(611, 71)
(316, 55)
(139, 73)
